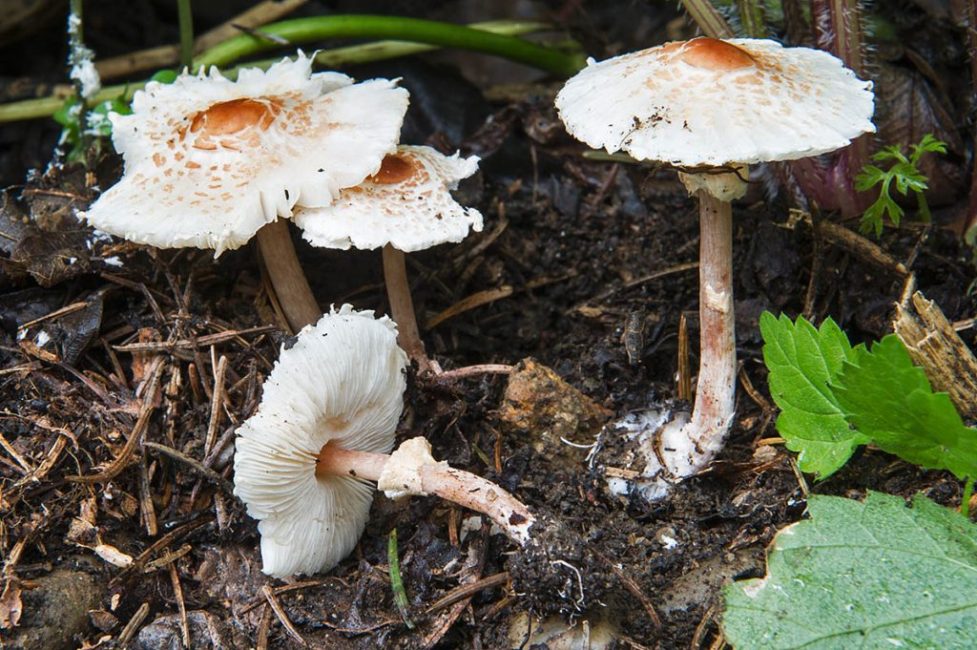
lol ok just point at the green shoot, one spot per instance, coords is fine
(78, 126)
(396, 581)
(904, 174)
(407, 42)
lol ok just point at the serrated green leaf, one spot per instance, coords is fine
(872, 574)
(890, 400)
(802, 361)
(890, 152)
(904, 173)
(869, 177)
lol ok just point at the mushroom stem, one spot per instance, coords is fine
(715, 394)
(684, 446)
(457, 486)
(286, 276)
(402, 308)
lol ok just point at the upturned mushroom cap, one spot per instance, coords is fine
(713, 102)
(342, 382)
(406, 204)
(208, 161)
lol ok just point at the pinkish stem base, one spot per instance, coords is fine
(454, 485)
(680, 448)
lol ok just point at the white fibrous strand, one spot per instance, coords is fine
(81, 60)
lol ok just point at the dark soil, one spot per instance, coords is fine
(570, 238)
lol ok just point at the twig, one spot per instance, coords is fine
(57, 313)
(470, 302)
(467, 591)
(193, 344)
(133, 625)
(16, 456)
(262, 633)
(216, 404)
(276, 607)
(192, 464)
(168, 55)
(851, 241)
(634, 590)
(146, 507)
(678, 268)
(296, 586)
(180, 603)
(151, 384)
(167, 558)
(162, 542)
(472, 371)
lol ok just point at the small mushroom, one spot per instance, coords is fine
(405, 207)
(711, 107)
(324, 427)
(209, 162)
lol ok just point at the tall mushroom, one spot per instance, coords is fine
(325, 424)
(405, 207)
(710, 108)
(210, 162)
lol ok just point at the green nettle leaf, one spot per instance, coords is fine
(872, 574)
(891, 401)
(803, 361)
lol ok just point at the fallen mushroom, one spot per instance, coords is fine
(210, 162)
(405, 207)
(325, 424)
(711, 107)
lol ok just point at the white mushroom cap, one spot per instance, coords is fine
(341, 381)
(406, 204)
(209, 161)
(712, 102)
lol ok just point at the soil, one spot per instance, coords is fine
(583, 266)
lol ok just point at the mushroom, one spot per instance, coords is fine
(209, 162)
(711, 107)
(324, 427)
(405, 207)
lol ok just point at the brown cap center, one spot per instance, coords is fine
(393, 169)
(713, 54)
(233, 116)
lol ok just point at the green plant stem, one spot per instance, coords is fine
(968, 490)
(396, 581)
(185, 18)
(752, 17)
(380, 50)
(308, 30)
(710, 21)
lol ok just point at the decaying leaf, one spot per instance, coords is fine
(11, 606)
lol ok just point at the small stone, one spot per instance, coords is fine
(55, 611)
(207, 632)
(539, 404)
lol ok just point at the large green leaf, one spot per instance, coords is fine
(891, 401)
(872, 574)
(803, 361)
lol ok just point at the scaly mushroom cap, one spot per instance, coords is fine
(209, 161)
(712, 102)
(342, 381)
(406, 204)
